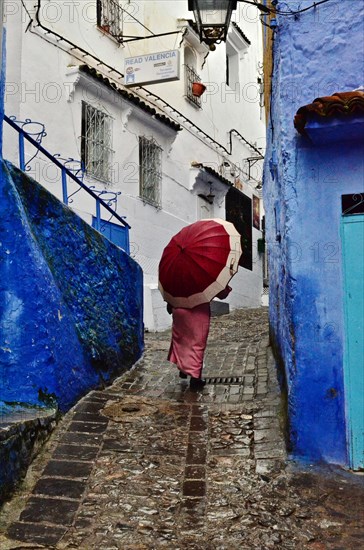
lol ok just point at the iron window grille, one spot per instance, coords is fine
(190, 77)
(150, 170)
(109, 17)
(96, 143)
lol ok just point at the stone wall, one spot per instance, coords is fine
(22, 433)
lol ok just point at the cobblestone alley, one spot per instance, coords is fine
(149, 464)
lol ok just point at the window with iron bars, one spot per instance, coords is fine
(109, 17)
(190, 77)
(96, 143)
(150, 170)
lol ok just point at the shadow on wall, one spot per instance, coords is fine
(70, 300)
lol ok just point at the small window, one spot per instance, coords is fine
(232, 66)
(352, 204)
(96, 143)
(237, 45)
(109, 17)
(150, 170)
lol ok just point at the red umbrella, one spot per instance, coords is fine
(199, 262)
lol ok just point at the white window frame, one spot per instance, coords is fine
(236, 49)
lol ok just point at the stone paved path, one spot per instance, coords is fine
(148, 464)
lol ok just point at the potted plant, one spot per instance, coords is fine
(198, 89)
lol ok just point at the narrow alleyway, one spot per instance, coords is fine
(148, 464)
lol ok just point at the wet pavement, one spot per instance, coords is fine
(149, 464)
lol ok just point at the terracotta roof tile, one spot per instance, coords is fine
(338, 104)
(131, 97)
(218, 176)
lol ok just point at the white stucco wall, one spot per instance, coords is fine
(44, 84)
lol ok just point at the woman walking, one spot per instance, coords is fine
(190, 330)
(198, 261)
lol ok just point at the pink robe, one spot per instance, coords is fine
(189, 338)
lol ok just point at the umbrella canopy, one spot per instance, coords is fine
(199, 262)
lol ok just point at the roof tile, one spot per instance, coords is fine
(336, 105)
(131, 97)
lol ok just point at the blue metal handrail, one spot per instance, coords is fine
(65, 172)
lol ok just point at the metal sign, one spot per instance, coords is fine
(152, 68)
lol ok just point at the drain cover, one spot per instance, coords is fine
(230, 380)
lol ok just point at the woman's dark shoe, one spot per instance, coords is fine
(182, 375)
(197, 383)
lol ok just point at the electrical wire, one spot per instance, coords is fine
(137, 20)
(267, 11)
(264, 23)
(211, 141)
(30, 17)
(74, 46)
(262, 7)
(290, 13)
(271, 95)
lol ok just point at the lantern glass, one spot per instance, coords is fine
(212, 18)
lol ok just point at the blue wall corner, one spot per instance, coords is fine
(71, 301)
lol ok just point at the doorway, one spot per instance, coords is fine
(352, 235)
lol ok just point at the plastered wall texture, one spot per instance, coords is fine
(315, 55)
(2, 85)
(70, 300)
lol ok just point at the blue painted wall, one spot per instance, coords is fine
(316, 53)
(70, 301)
(2, 86)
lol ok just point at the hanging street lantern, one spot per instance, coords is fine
(212, 18)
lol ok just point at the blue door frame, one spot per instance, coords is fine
(352, 234)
